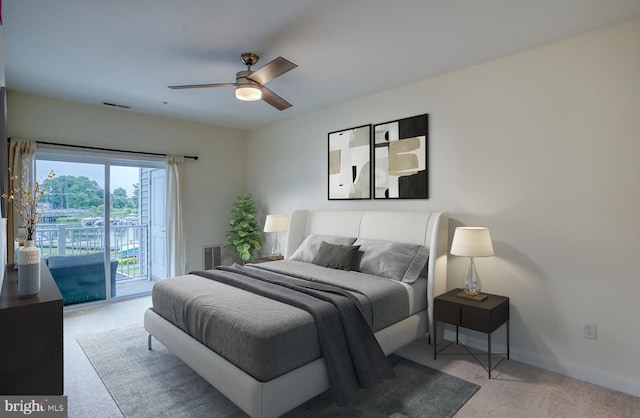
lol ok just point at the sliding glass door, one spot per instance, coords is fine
(97, 234)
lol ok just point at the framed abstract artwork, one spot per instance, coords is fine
(400, 159)
(350, 163)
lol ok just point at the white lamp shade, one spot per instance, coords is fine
(248, 93)
(472, 242)
(276, 223)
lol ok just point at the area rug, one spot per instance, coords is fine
(156, 383)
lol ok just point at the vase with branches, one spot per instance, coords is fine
(25, 199)
(245, 236)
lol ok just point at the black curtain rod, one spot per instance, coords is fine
(193, 157)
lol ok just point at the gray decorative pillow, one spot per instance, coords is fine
(335, 256)
(311, 244)
(393, 260)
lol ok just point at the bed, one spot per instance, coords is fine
(259, 389)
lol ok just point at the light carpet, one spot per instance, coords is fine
(156, 383)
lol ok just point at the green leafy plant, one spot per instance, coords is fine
(245, 236)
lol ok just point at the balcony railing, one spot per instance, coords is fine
(128, 245)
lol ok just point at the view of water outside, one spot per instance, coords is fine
(74, 218)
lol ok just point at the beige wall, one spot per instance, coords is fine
(212, 182)
(543, 148)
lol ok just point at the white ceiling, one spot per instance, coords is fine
(128, 51)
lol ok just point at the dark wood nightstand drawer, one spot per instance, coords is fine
(446, 311)
(478, 317)
(474, 318)
(499, 316)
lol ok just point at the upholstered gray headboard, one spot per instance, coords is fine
(425, 228)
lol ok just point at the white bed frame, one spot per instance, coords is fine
(277, 396)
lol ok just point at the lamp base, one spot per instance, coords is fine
(471, 281)
(275, 250)
(477, 296)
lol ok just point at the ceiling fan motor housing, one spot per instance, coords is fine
(247, 89)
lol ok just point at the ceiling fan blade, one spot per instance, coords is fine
(274, 100)
(198, 86)
(271, 70)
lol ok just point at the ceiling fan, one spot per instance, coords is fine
(250, 84)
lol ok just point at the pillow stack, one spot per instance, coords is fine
(393, 260)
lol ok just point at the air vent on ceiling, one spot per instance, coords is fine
(116, 105)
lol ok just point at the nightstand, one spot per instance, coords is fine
(484, 316)
(267, 259)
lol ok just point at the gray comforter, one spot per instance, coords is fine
(263, 337)
(353, 357)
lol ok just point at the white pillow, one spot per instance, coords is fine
(311, 244)
(393, 260)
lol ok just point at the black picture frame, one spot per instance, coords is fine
(349, 164)
(400, 158)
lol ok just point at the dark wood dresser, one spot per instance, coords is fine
(31, 338)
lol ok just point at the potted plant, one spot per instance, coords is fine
(245, 236)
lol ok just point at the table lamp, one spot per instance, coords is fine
(472, 242)
(276, 223)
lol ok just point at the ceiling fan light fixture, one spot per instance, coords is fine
(248, 93)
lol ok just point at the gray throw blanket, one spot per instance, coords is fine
(352, 355)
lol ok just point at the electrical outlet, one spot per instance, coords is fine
(591, 331)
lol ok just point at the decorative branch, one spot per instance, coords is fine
(26, 200)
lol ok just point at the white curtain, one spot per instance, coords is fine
(176, 244)
(21, 152)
